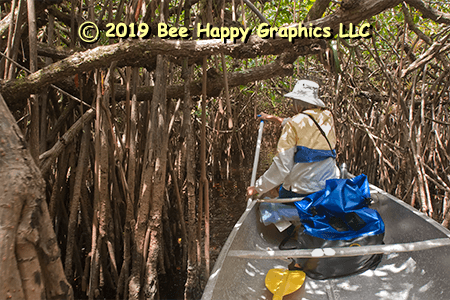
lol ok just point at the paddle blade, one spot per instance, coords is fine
(282, 282)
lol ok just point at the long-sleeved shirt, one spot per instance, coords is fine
(304, 160)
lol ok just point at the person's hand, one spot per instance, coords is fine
(271, 118)
(265, 117)
(251, 190)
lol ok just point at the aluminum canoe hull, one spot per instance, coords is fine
(423, 274)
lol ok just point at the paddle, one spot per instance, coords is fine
(255, 162)
(279, 281)
(282, 282)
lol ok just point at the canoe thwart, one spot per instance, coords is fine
(341, 251)
(283, 200)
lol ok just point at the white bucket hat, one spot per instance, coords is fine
(306, 91)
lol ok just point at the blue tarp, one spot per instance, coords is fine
(341, 200)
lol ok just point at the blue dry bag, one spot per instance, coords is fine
(339, 216)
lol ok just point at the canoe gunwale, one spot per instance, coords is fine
(422, 215)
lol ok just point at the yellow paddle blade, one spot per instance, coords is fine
(282, 282)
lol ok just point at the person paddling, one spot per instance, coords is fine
(306, 155)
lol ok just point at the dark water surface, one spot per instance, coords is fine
(227, 203)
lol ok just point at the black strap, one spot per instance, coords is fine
(321, 130)
(292, 235)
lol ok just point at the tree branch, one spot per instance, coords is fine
(47, 158)
(256, 11)
(317, 10)
(429, 12)
(413, 26)
(435, 49)
(102, 56)
(282, 66)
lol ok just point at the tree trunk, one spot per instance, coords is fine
(192, 283)
(159, 148)
(30, 264)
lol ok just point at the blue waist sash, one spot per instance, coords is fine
(307, 155)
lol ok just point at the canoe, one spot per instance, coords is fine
(415, 264)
